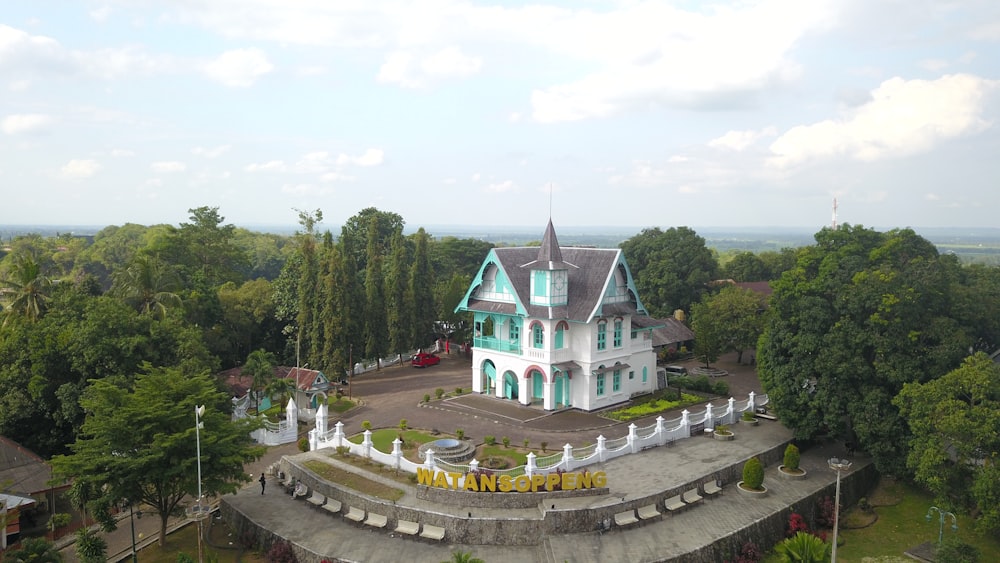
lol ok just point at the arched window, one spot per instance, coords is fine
(602, 335)
(616, 381)
(537, 335)
(618, 333)
(560, 335)
(600, 381)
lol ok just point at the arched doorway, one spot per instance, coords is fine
(561, 389)
(489, 374)
(509, 385)
(537, 385)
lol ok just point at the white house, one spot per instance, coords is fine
(560, 327)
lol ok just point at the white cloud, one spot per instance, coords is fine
(903, 118)
(238, 67)
(25, 123)
(121, 153)
(101, 14)
(371, 157)
(740, 140)
(410, 71)
(304, 189)
(77, 169)
(677, 159)
(475, 177)
(211, 152)
(931, 197)
(336, 176)
(19, 85)
(269, 166)
(501, 187)
(168, 166)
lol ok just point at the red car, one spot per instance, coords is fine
(424, 359)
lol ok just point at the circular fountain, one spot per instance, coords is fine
(449, 450)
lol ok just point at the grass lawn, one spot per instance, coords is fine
(903, 526)
(383, 437)
(900, 526)
(185, 540)
(340, 405)
(354, 481)
(518, 456)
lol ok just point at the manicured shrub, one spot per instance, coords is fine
(343, 450)
(526, 442)
(460, 434)
(402, 424)
(544, 445)
(753, 474)
(796, 524)
(427, 397)
(506, 442)
(439, 392)
(303, 444)
(367, 425)
(459, 391)
(791, 460)
(748, 415)
(957, 551)
(490, 440)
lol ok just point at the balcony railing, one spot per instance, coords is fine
(490, 343)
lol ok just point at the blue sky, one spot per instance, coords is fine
(633, 114)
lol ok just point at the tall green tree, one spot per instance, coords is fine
(398, 311)
(137, 443)
(148, 284)
(672, 268)
(29, 286)
(861, 314)
(730, 320)
(356, 232)
(376, 329)
(955, 421)
(307, 326)
(421, 291)
(708, 333)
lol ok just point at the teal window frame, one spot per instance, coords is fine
(616, 382)
(644, 374)
(618, 333)
(541, 284)
(631, 374)
(537, 336)
(600, 384)
(560, 330)
(515, 332)
(602, 335)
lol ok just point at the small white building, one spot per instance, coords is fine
(559, 327)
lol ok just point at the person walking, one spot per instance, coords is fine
(263, 481)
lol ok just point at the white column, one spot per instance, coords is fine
(524, 390)
(549, 395)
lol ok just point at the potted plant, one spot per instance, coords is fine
(749, 418)
(722, 432)
(753, 478)
(790, 464)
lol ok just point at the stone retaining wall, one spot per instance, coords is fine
(500, 500)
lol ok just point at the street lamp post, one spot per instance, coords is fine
(199, 411)
(132, 522)
(837, 465)
(941, 516)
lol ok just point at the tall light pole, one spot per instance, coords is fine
(837, 465)
(942, 514)
(132, 522)
(199, 411)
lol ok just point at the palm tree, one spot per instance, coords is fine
(260, 367)
(463, 557)
(803, 547)
(280, 386)
(35, 550)
(29, 286)
(147, 284)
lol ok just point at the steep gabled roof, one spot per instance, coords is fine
(25, 471)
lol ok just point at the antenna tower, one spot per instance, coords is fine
(835, 214)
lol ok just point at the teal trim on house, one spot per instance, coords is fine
(558, 342)
(496, 288)
(537, 385)
(494, 331)
(602, 335)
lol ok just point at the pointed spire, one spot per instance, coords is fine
(549, 251)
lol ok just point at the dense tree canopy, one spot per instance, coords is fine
(137, 443)
(861, 314)
(955, 422)
(671, 268)
(730, 320)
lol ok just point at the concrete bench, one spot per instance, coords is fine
(766, 416)
(407, 527)
(712, 488)
(316, 499)
(332, 506)
(648, 512)
(674, 504)
(625, 518)
(355, 514)
(376, 520)
(432, 532)
(691, 497)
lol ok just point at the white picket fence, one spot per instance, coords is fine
(661, 433)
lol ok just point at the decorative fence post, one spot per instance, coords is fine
(750, 402)
(429, 463)
(632, 445)
(313, 442)
(731, 411)
(599, 450)
(530, 467)
(473, 466)
(709, 418)
(686, 422)
(338, 434)
(366, 444)
(661, 437)
(567, 459)
(397, 452)
(322, 418)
